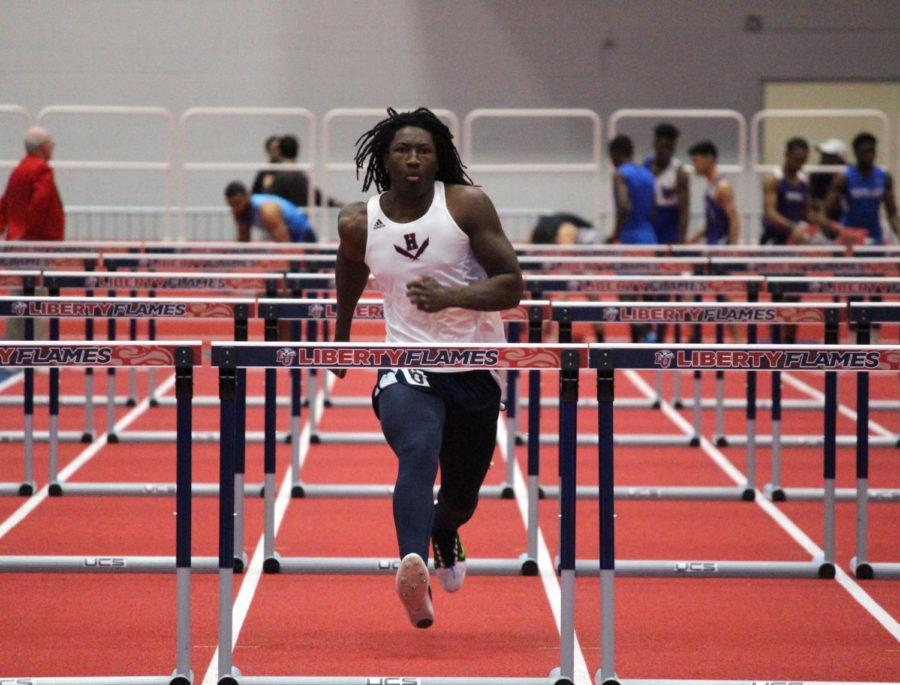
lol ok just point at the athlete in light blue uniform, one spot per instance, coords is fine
(863, 187)
(672, 196)
(279, 218)
(722, 226)
(633, 188)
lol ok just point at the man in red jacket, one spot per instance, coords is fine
(31, 208)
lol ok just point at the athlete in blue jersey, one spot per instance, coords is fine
(863, 188)
(722, 225)
(672, 196)
(787, 206)
(279, 218)
(633, 192)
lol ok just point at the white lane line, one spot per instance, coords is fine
(84, 457)
(842, 408)
(851, 586)
(545, 562)
(253, 572)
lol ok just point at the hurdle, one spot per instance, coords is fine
(152, 282)
(183, 356)
(836, 287)
(228, 357)
(274, 311)
(26, 280)
(606, 359)
(864, 316)
(42, 261)
(73, 307)
(799, 266)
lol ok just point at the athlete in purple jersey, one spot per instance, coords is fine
(786, 199)
(722, 225)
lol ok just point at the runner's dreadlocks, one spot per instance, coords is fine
(373, 145)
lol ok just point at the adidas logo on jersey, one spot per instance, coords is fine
(378, 224)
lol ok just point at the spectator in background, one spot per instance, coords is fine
(279, 218)
(31, 208)
(722, 225)
(864, 187)
(833, 152)
(293, 185)
(263, 181)
(672, 197)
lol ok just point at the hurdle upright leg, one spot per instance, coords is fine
(719, 431)
(676, 375)
(698, 398)
(568, 440)
(131, 400)
(240, 444)
(111, 387)
(296, 412)
(28, 484)
(151, 372)
(512, 420)
(605, 399)
(184, 392)
(827, 569)
(312, 382)
(774, 488)
(530, 566)
(227, 421)
(53, 400)
(860, 563)
(750, 412)
(271, 563)
(88, 435)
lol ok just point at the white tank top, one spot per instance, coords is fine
(666, 185)
(432, 245)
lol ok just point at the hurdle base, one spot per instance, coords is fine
(196, 436)
(677, 568)
(389, 680)
(273, 564)
(652, 492)
(694, 441)
(112, 438)
(774, 492)
(239, 563)
(54, 490)
(231, 678)
(102, 564)
(300, 490)
(95, 680)
(862, 571)
(40, 436)
(529, 565)
(17, 489)
(876, 570)
(840, 494)
(812, 440)
(372, 437)
(381, 566)
(87, 438)
(721, 441)
(144, 489)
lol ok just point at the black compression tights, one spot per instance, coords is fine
(424, 434)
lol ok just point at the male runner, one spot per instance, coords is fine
(672, 192)
(437, 251)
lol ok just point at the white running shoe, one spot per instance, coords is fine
(414, 590)
(450, 564)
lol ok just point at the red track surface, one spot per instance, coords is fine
(83, 624)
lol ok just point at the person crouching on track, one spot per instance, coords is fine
(434, 244)
(280, 219)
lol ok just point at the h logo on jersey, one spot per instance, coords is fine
(285, 356)
(664, 358)
(413, 250)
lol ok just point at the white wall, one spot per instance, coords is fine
(322, 54)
